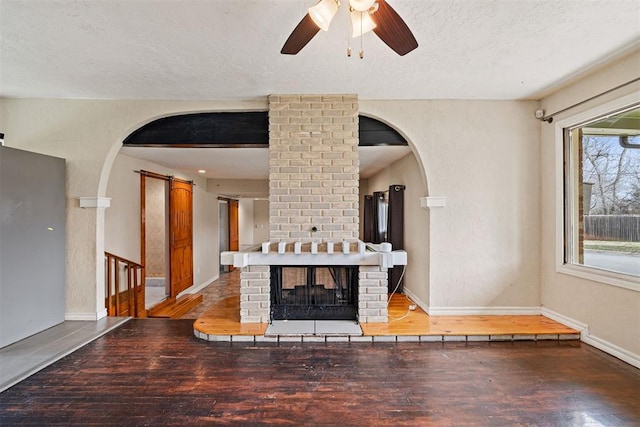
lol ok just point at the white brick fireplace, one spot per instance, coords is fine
(313, 205)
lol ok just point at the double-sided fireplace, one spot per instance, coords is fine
(314, 292)
(329, 281)
(314, 266)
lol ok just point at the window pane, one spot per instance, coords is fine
(604, 194)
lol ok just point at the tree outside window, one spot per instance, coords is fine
(603, 194)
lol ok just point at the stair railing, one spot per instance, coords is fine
(124, 297)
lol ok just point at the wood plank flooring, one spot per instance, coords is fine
(175, 308)
(403, 321)
(223, 319)
(154, 372)
(227, 285)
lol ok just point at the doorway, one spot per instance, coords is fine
(228, 228)
(166, 236)
(223, 231)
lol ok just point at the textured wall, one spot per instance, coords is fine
(612, 313)
(88, 134)
(416, 233)
(483, 156)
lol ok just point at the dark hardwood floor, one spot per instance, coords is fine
(154, 372)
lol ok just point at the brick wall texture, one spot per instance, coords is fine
(255, 291)
(372, 294)
(313, 167)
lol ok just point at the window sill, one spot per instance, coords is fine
(601, 276)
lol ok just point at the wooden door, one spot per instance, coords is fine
(181, 234)
(233, 227)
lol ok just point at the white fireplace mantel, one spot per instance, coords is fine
(367, 254)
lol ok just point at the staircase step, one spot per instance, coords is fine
(185, 304)
(178, 307)
(162, 305)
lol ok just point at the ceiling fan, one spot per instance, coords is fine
(366, 15)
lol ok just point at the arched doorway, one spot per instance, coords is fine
(219, 131)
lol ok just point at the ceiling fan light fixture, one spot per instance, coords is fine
(361, 22)
(361, 5)
(376, 15)
(322, 13)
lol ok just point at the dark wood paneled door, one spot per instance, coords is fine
(181, 233)
(234, 234)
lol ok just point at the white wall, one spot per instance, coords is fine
(122, 219)
(234, 188)
(245, 223)
(416, 219)
(88, 134)
(611, 313)
(260, 221)
(253, 221)
(484, 157)
(206, 262)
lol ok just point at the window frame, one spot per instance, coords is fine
(565, 225)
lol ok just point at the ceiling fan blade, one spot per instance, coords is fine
(301, 35)
(392, 30)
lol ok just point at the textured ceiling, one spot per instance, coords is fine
(229, 49)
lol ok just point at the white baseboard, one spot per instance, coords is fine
(614, 350)
(483, 311)
(566, 321)
(417, 300)
(471, 311)
(586, 337)
(86, 316)
(197, 288)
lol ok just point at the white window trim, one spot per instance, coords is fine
(590, 273)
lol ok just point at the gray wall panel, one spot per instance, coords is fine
(32, 243)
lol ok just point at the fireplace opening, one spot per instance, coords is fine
(314, 292)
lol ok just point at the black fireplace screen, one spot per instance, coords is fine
(314, 293)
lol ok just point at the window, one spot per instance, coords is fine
(602, 194)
